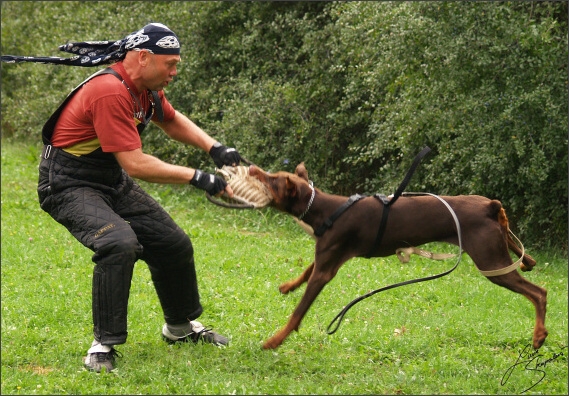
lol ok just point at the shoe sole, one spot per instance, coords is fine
(93, 370)
(189, 339)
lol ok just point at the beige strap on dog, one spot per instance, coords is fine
(404, 255)
(509, 268)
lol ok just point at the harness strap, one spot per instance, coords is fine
(49, 126)
(410, 172)
(328, 223)
(381, 229)
(388, 202)
(155, 103)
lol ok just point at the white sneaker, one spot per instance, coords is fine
(198, 332)
(100, 357)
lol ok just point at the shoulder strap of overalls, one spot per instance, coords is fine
(49, 126)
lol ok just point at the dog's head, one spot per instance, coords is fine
(290, 192)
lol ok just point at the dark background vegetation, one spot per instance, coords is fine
(354, 89)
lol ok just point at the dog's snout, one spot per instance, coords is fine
(252, 170)
(256, 172)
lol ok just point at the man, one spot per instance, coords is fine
(93, 151)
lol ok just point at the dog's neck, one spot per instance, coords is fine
(310, 201)
(317, 206)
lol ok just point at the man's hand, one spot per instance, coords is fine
(212, 184)
(223, 155)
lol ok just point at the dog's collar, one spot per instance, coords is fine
(309, 202)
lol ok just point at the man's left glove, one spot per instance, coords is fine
(212, 184)
(223, 155)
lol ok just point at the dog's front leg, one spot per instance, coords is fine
(291, 285)
(315, 285)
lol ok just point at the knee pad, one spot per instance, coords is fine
(116, 251)
(116, 244)
(173, 250)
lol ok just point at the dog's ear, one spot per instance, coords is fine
(301, 171)
(290, 188)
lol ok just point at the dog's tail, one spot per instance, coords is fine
(527, 261)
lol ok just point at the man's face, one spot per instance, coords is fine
(160, 70)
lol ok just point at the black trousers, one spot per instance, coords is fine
(110, 214)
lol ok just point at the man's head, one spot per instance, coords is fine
(152, 56)
(155, 38)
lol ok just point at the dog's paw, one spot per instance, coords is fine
(539, 338)
(286, 287)
(525, 268)
(271, 344)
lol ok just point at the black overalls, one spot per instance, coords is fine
(107, 211)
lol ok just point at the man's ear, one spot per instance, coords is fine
(143, 57)
(301, 171)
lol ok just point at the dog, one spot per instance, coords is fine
(412, 220)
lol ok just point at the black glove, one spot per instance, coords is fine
(208, 182)
(223, 155)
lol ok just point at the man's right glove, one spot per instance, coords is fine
(223, 155)
(208, 182)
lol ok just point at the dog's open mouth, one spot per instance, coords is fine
(248, 191)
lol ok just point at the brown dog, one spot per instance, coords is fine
(412, 220)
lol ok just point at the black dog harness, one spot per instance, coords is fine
(381, 198)
(340, 211)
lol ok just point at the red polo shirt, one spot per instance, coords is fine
(104, 114)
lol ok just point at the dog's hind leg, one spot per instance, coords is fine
(488, 248)
(291, 285)
(537, 295)
(527, 261)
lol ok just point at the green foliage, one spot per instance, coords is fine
(485, 87)
(354, 89)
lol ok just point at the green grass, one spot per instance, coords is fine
(454, 335)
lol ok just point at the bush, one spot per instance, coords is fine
(354, 89)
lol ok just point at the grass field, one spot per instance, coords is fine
(456, 335)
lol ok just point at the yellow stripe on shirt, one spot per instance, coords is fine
(83, 148)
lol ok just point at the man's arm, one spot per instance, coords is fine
(151, 169)
(182, 129)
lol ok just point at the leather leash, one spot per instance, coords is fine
(401, 252)
(404, 255)
(343, 312)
